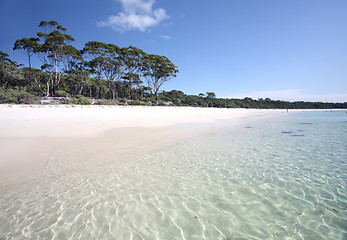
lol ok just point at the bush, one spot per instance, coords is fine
(81, 100)
(137, 103)
(161, 104)
(17, 96)
(134, 103)
(67, 101)
(61, 93)
(104, 102)
(177, 102)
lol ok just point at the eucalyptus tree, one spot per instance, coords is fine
(29, 46)
(9, 72)
(4, 57)
(94, 54)
(52, 50)
(210, 95)
(157, 70)
(104, 61)
(113, 68)
(72, 58)
(132, 58)
(131, 81)
(77, 75)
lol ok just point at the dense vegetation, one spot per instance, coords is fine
(104, 73)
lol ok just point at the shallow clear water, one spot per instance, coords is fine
(272, 178)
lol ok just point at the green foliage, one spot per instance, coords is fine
(210, 94)
(17, 96)
(62, 93)
(53, 51)
(10, 75)
(161, 104)
(104, 102)
(157, 70)
(81, 100)
(68, 101)
(137, 103)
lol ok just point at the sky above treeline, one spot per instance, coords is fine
(285, 50)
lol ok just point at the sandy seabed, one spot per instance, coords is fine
(30, 135)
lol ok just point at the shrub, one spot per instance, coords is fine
(161, 104)
(104, 102)
(67, 101)
(134, 103)
(81, 100)
(17, 96)
(137, 103)
(61, 93)
(177, 102)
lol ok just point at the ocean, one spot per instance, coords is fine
(282, 177)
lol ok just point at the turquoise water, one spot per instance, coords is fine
(269, 178)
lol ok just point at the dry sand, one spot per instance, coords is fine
(39, 140)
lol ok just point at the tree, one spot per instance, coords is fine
(132, 59)
(158, 70)
(53, 49)
(28, 46)
(9, 72)
(210, 95)
(4, 57)
(113, 68)
(104, 61)
(94, 53)
(72, 58)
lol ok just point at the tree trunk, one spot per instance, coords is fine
(131, 87)
(47, 92)
(29, 69)
(156, 96)
(99, 88)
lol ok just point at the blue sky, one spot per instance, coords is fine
(282, 49)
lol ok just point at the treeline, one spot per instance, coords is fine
(99, 70)
(209, 99)
(104, 73)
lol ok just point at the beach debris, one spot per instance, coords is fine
(306, 123)
(288, 132)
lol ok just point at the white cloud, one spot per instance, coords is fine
(136, 15)
(293, 95)
(165, 37)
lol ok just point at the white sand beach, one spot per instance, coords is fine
(94, 172)
(31, 137)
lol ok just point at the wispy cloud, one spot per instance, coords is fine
(293, 95)
(165, 37)
(135, 15)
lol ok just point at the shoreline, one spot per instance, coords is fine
(36, 140)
